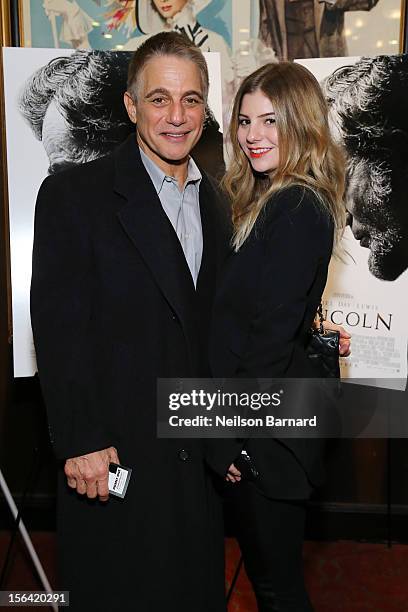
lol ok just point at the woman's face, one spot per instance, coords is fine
(168, 8)
(257, 133)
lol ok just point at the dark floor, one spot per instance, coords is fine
(342, 576)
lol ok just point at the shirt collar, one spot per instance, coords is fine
(158, 176)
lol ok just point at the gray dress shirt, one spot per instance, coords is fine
(182, 206)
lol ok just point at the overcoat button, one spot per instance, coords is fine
(183, 455)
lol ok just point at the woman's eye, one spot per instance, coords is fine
(270, 121)
(243, 121)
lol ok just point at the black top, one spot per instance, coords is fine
(266, 301)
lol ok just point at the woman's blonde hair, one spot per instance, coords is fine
(308, 155)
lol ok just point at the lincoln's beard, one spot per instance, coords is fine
(388, 254)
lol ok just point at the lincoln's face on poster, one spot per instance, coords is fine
(368, 108)
(377, 203)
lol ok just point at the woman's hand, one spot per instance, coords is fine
(345, 337)
(233, 474)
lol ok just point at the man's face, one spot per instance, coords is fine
(169, 110)
(168, 8)
(376, 205)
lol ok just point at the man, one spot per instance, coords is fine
(125, 260)
(368, 110)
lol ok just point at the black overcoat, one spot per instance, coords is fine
(114, 307)
(264, 306)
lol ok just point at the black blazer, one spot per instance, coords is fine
(266, 301)
(113, 308)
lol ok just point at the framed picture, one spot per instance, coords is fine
(111, 24)
(294, 30)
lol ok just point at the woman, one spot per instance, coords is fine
(286, 184)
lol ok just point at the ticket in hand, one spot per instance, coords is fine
(119, 477)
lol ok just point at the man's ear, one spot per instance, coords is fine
(130, 106)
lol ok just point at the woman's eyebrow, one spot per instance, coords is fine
(263, 115)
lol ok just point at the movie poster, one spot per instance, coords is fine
(367, 289)
(40, 142)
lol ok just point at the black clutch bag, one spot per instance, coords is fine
(246, 466)
(323, 350)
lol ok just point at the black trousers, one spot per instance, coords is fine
(270, 533)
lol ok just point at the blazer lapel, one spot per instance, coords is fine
(147, 225)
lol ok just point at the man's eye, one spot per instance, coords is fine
(191, 101)
(243, 121)
(159, 100)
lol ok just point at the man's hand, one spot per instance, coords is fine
(233, 474)
(345, 338)
(89, 474)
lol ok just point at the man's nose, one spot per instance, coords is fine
(177, 113)
(356, 227)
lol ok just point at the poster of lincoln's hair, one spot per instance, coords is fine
(367, 289)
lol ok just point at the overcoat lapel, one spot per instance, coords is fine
(206, 277)
(149, 228)
(217, 231)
